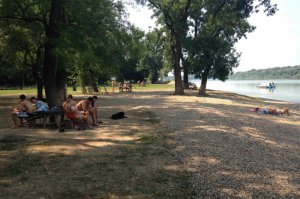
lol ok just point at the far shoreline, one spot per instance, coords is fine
(286, 90)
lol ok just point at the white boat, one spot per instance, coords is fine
(268, 85)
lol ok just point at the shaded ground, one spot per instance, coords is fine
(129, 158)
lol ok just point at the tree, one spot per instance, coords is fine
(152, 59)
(75, 35)
(217, 26)
(99, 25)
(22, 38)
(33, 14)
(54, 75)
(130, 54)
(173, 14)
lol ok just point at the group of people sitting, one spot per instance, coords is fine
(125, 87)
(272, 111)
(79, 112)
(26, 108)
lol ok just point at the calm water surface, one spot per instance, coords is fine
(286, 90)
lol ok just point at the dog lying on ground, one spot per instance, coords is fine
(119, 115)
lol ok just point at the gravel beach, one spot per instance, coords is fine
(229, 151)
(226, 150)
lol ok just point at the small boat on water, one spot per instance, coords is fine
(268, 85)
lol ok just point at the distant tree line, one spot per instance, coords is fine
(289, 72)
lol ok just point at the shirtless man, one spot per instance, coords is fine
(68, 108)
(24, 108)
(71, 111)
(84, 108)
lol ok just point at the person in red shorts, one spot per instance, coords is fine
(72, 113)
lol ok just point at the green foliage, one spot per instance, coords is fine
(95, 41)
(217, 26)
(172, 16)
(270, 73)
(152, 60)
(90, 41)
(22, 37)
(129, 55)
(208, 30)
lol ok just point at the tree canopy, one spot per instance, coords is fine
(50, 43)
(84, 41)
(207, 31)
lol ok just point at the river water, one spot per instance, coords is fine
(286, 90)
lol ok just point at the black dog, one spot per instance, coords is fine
(119, 115)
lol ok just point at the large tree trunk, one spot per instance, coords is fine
(61, 84)
(202, 89)
(40, 86)
(204, 78)
(186, 76)
(49, 73)
(53, 85)
(177, 69)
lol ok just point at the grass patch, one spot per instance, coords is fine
(10, 142)
(71, 193)
(32, 91)
(148, 116)
(152, 121)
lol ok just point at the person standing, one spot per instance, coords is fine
(94, 111)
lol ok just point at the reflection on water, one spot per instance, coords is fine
(287, 90)
(266, 90)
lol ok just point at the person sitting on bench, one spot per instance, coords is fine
(23, 109)
(40, 105)
(72, 113)
(84, 108)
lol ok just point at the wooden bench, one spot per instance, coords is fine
(57, 114)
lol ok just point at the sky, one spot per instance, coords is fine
(274, 43)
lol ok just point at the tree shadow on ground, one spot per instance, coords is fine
(130, 158)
